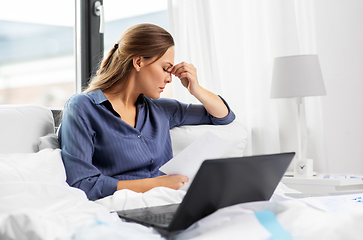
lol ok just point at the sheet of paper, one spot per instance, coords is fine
(338, 176)
(335, 203)
(188, 161)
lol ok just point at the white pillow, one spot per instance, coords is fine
(21, 126)
(45, 166)
(181, 137)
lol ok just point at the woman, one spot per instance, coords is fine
(115, 135)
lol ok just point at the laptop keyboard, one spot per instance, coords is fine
(161, 218)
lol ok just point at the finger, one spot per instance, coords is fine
(185, 179)
(181, 74)
(182, 177)
(177, 70)
(184, 69)
(179, 66)
(174, 68)
(169, 69)
(187, 66)
(185, 75)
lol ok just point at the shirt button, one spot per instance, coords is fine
(151, 161)
(139, 136)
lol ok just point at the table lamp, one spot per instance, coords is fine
(297, 77)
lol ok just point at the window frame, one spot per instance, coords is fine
(89, 42)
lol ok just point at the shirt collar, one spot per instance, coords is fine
(98, 96)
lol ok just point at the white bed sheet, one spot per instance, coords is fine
(36, 203)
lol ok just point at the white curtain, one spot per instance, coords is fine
(233, 43)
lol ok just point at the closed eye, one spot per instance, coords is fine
(167, 69)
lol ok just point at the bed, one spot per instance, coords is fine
(37, 203)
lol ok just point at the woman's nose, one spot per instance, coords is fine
(168, 78)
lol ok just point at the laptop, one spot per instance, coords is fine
(218, 183)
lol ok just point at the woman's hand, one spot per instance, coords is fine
(171, 181)
(187, 74)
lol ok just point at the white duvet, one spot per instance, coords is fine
(37, 203)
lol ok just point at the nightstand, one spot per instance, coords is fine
(318, 185)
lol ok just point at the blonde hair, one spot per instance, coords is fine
(145, 40)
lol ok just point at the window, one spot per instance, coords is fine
(120, 15)
(36, 44)
(38, 39)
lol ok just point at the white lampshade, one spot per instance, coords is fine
(297, 76)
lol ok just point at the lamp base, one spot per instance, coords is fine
(303, 168)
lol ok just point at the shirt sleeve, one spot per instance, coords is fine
(180, 114)
(76, 139)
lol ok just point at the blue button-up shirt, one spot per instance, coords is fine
(99, 149)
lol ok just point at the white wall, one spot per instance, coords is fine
(340, 48)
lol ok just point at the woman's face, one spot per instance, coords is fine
(152, 78)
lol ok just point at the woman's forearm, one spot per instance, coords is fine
(212, 103)
(146, 184)
(139, 185)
